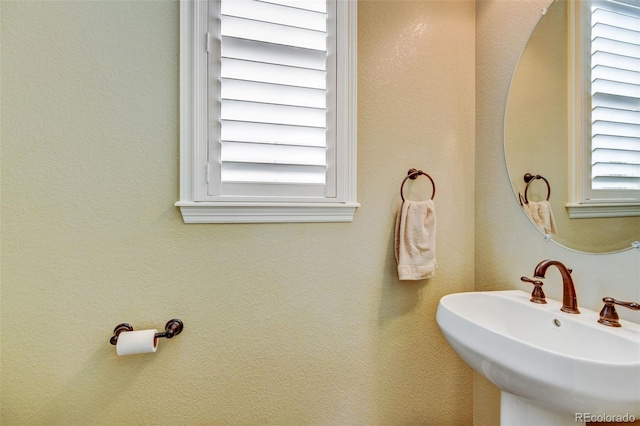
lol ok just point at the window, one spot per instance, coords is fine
(268, 111)
(605, 108)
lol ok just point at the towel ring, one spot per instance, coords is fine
(413, 174)
(528, 177)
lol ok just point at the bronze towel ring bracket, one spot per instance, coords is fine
(528, 178)
(413, 174)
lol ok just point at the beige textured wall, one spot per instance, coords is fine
(284, 323)
(507, 246)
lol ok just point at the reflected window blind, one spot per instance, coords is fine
(615, 91)
(274, 118)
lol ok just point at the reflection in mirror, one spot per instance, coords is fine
(538, 212)
(536, 140)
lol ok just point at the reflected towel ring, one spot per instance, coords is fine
(413, 174)
(528, 177)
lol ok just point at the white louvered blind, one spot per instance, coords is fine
(615, 91)
(275, 118)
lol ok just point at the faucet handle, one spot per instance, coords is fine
(537, 295)
(608, 314)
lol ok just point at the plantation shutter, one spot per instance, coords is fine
(272, 137)
(615, 84)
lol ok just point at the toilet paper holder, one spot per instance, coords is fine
(172, 328)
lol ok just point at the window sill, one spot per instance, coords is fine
(209, 212)
(585, 211)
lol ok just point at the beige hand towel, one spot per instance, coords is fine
(415, 240)
(541, 215)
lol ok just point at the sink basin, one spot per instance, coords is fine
(545, 360)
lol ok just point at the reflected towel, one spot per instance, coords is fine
(415, 240)
(541, 215)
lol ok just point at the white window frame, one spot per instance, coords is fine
(194, 204)
(581, 202)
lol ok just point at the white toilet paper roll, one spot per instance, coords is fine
(137, 342)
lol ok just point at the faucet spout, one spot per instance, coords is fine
(569, 299)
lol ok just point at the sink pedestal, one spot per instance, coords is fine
(516, 411)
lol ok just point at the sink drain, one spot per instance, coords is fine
(557, 323)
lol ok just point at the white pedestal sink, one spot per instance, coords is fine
(553, 368)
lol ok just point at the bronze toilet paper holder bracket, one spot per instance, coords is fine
(172, 328)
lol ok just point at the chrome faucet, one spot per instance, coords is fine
(569, 299)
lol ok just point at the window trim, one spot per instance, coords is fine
(579, 204)
(193, 132)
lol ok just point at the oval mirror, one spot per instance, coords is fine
(536, 136)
